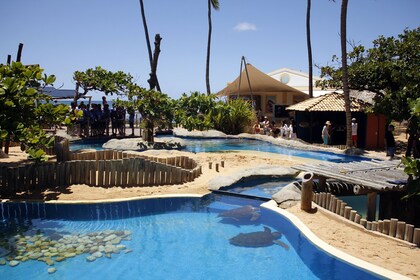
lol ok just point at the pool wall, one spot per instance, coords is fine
(361, 264)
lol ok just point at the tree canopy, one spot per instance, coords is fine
(103, 80)
(389, 68)
(25, 110)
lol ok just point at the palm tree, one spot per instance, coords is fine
(343, 37)
(215, 5)
(308, 41)
(149, 48)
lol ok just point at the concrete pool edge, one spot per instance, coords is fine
(322, 245)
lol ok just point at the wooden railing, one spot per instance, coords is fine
(390, 227)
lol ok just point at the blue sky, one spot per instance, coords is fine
(65, 36)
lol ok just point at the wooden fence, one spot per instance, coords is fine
(100, 168)
(390, 227)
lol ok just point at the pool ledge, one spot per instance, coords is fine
(108, 200)
(382, 272)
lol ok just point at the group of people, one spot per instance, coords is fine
(97, 120)
(327, 132)
(286, 130)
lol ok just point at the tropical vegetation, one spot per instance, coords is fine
(25, 111)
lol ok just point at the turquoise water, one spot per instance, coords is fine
(261, 187)
(229, 144)
(172, 238)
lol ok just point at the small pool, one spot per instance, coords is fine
(162, 238)
(196, 145)
(260, 187)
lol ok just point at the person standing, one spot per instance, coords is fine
(354, 132)
(326, 132)
(390, 142)
(292, 129)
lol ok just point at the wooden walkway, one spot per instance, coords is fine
(376, 175)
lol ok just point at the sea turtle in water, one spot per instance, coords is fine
(258, 239)
(246, 212)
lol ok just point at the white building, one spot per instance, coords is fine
(297, 80)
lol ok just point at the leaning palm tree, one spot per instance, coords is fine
(215, 5)
(345, 77)
(308, 41)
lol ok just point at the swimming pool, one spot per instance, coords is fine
(196, 145)
(165, 238)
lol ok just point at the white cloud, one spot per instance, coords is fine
(245, 26)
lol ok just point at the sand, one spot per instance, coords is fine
(386, 252)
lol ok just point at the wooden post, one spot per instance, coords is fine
(380, 226)
(352, 215)
(363, 222)
(338, 207)
(322, 183)
(342, 207)
(409, 230)
(369, 225)
(371, 206)
(387, 224)
(323, 199)
(222, 163)
(307, 191)
(374, 226)
(19, 53)
(393, 227)
(416, 236)
(400, 230)
(334, 204)
(210, 164)
(217, 167)
(347, 210)
(357, 218)
(327, 201)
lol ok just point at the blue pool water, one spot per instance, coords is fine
(228, 144)
(171, 238)
(261, 187)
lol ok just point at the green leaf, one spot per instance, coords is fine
(31, 91)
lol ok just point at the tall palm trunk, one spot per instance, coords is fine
(343, 31)
(308, 41)
(211, 4)
(208, 50)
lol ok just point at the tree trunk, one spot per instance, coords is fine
(146, 33)
(148, 131)
(153, 82)
(308, 40)
(208, 51)
(343, 29)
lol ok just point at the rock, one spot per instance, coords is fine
(121, 247)
(90, 258)
(52, 270)
(2, 261)
(116, 240)
(70, 255)
(110, 237)
(288, 196)
(97, 255)
(128, 251)
(14, 263)
(60, 258)
(49, 261)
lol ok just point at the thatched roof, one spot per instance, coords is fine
(331, 102)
